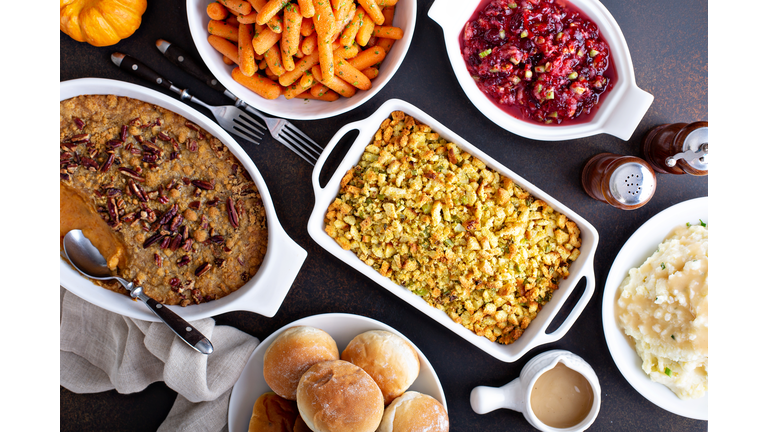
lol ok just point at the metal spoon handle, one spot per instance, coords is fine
(182, 328)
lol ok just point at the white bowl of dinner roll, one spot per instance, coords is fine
(333, 394)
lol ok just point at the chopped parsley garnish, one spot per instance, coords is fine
(704, 224)
(663, 266)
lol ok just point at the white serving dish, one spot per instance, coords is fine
(262, 294)
(343, 328)
(535, 334)
(618, 113)
(300, 109)
(635, 251)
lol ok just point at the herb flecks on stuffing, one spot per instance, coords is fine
(436, 220)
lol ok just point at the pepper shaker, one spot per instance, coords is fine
(678, 148)
(625, 182)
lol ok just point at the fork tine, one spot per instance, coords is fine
(242, 133)
(288, 135)
(247, 126)
(250, 120)
(298, 150)
(306, 139)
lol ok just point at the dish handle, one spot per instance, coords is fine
(441, 11)
(327, 152)
(628, 112)
(589, 290)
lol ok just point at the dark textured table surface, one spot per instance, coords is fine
(668, 42)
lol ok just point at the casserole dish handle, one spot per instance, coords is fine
(589, 275)
(628, 112)
(327, 152)
(441, 11)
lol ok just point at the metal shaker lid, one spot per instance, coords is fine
(632, 183)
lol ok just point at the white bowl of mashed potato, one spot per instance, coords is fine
(655, 309)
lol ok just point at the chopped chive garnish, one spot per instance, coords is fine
(667, 371)
(483, 54)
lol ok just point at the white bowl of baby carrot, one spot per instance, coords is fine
(303, 59)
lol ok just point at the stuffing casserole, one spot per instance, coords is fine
(435, 220)
(186, 212)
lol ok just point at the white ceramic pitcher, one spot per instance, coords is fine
(516, 395)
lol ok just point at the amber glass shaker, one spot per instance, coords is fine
(625, 182)
(678, 148)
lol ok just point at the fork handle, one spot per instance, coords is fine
(186, 62)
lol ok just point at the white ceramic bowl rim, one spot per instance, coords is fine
(619, 111)
(262, 294)
(300, 109)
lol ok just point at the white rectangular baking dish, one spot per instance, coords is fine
(262, 294)
(536, 334)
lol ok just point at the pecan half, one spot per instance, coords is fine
(181, 262)
(203, 269)
(202, 184)
(107, 163)
(128, 172)
(137, 191)
(232, 213)
(152, 240)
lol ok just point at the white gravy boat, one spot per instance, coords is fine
(516, 395)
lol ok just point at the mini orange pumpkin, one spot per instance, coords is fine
(101, 22)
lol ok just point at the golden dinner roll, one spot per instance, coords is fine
(337, 396)
(292, 353)
(414, 412)
(388, 358)
(271, 413)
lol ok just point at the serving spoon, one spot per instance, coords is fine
(88, 260)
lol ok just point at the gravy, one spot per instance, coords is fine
(561, 397)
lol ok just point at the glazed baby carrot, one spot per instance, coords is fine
(370, 72)
(366, 31)
(307, 27)
(335, 83)
(373, 10)
(245, 50)
(257, 5)
(368, 58)
(291, 29)
(225, 47)
(240, 7)
(216, 11)
(325, 49)
(274, 60)
(300, 86)
(303, 65)
(384, 3)
(288, 63)
(264, 39)
(309, 44)
(351, 75)
(350, 31)
(306, 8)
(223, 29)
(388, 32)
(247, 19)
(319, 90)
(324, 19)
(328, 96)
(270, 9)
(262, 86)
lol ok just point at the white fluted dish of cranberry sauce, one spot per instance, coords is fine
(539, 60)
(586, 103)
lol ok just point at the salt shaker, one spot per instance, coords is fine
(625, 182)
(678, 148)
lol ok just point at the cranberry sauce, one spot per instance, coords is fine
(539, 60)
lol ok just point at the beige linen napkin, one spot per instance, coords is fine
(101, 351)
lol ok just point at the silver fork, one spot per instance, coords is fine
(231, 118)
(281, 130)
(285, 132)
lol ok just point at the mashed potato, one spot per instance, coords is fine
(662, 306)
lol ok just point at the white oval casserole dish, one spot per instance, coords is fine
(300, 109)
(262, 294)
(535, 334)
(619, 111)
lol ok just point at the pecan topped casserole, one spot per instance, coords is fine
(437, 221)
(188, 220)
